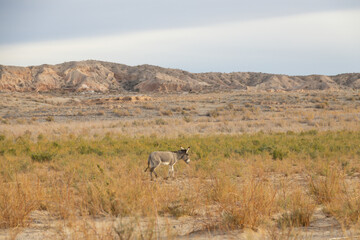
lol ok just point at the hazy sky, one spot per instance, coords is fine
(278, 36)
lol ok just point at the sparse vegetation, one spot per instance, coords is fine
(258, 161)
(121, 112)
(230, 174)
(300, 208)
(42, 157)
(166, 113)
(214, 113)
(49, 118)
(160, 121)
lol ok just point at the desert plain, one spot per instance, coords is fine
(267, 162)
(264, 165)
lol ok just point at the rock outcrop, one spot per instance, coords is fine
(100, 76)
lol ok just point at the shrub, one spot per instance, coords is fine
(100, 113)
(339, 199)
(176, 109)
(4, 121)
(18, 200)
(49, 119)
(278, 154)
(40, 137)
(322, 105)
(122, 113)
(20, 121)
(89, 150)
(160, 121)
(166, 113)
(42, 156)
(244, 206)
(150, 106)
(326, 188)
(187, 119)
(214, 113)
(301, 208)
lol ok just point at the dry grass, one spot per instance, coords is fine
(122, 112)
(242, 206)
(299, 210)
(340, 197)
(18, 199)
(231, 187)
(255, 164)
(240, 111)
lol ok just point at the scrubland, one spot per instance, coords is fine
(263, 166)
(179, 114)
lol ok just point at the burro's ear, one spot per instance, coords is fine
(182, 148)
(187, 150)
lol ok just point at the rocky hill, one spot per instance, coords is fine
(105, 76)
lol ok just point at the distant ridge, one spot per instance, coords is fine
(101, 76)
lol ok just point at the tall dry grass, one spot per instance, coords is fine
(339, 196)
(18, 199)
(247, 205)
(299, 208)
(232, 180)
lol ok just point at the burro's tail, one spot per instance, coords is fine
(148, 165)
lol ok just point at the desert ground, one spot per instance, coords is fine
(172, 115)
(264, 165)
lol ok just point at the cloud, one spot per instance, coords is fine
(299, 44)
(43, 20)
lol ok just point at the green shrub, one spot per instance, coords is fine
(42, 156)
(89, 150)
(12, 151)
(279, 154)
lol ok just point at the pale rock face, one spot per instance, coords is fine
(47, 80)
(97, 76)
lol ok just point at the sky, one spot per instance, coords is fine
(297, 37)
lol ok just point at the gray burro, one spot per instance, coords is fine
(167, 158)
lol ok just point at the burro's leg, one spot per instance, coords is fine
(172, 170)
(151, 171)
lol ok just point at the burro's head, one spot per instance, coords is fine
(185, 154)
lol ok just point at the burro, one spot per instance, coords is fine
(167, 158)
